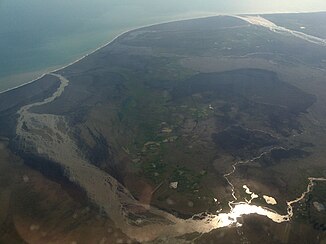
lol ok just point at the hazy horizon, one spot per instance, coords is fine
(37, 34)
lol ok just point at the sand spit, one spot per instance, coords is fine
(108, 43)
(260, 21)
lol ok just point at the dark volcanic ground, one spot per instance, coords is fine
(179, 102)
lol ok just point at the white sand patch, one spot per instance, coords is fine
(174, 185)
(270, 200)
(260, 21)
(249, 192)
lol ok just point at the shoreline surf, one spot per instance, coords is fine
(108, 43)
(140, 27)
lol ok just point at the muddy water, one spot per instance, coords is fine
(48, 135)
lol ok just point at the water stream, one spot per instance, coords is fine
(48, 136)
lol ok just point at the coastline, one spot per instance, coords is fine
(82, 173)
(200, 16)
(108, 43)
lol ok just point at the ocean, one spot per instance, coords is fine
(37, 36)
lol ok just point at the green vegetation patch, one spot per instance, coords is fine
(188, 181)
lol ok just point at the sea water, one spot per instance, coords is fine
(37, 35)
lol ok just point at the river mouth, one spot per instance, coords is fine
(181, 141)
(119, 196)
